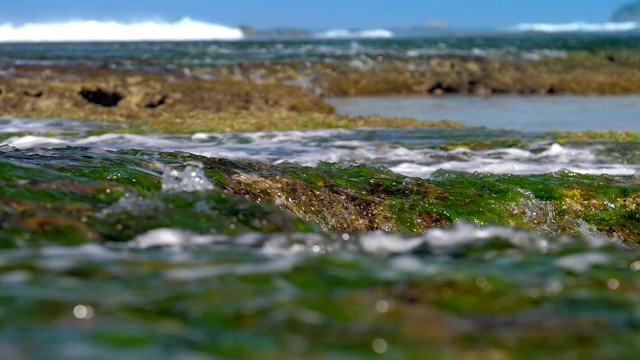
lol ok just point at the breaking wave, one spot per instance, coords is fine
(578, 27)
(184, 29)
(362, 34)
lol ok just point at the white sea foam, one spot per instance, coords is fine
(184, 29)
(362, 34)
(578, 27)
(364, 146)
(345, 146)
(511, 167)
(30, 141)
(168, 237)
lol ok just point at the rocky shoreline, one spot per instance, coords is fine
(217, 95)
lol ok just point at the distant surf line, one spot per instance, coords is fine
(577, 26)
(90, 30)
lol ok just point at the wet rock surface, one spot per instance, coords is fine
(90, 92)
(288, 197)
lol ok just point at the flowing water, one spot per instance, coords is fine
(502, 240)
(160, 246)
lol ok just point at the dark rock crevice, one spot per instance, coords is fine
(101, 97)
(155, 103)
(33, 94)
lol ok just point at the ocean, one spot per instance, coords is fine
(509, 238)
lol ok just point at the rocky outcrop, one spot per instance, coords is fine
(200, 95)
(127, 96)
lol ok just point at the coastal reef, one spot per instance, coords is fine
(221, 94)
(121, 194)
(121, 96)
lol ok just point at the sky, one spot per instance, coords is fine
(316, 14)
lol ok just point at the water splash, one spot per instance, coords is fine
(191, 178)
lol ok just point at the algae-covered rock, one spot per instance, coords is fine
(77, 195)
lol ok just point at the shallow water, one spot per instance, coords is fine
(230, 245)
(170, 55)
(412, 152)
(521, 113)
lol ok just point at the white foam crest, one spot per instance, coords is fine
(464, 233)
(444, 240)
(184, 29)
(169, 237)
(510, 167)
(379, 242)
(362, 34)
(577, 27)
(341, 146)
(30, 141)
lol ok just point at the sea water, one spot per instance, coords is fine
(134, 246)
(520, 113)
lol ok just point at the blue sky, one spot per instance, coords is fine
(317, 14)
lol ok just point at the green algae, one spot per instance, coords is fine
(68, 215)
(564, 137)
(81, 184)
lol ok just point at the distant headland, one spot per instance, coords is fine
(627, 13)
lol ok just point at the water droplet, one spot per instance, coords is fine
(380, 345)
(613, 284)
(635, 266)
(84, 312)
(345, 236)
